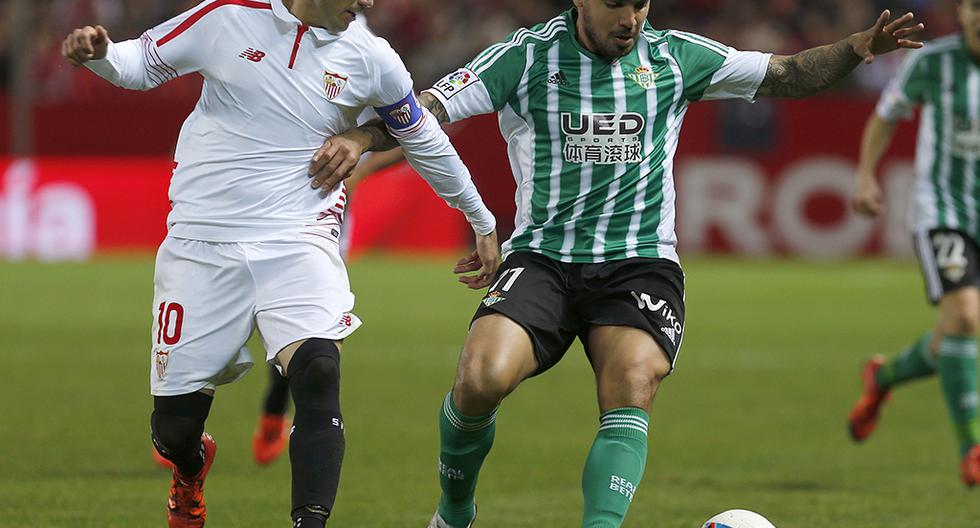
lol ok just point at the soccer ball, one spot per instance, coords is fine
(738, 519)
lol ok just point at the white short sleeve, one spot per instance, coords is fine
(463, 94)
(894, 105)
(906, 90)
(739, 77)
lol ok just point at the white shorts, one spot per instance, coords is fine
(208, 297)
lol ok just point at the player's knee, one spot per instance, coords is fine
(960, 312)
(649, 365)
(961, 316)
(314, 374)
(661, 367)
(636, 379)
(174, 435)
(177, 423)
(962, 323)
(641, 377)
(316, 379)
(481, 389)
(485, 375)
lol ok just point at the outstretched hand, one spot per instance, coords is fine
(485, 260)
(886, 37)
(85, 44)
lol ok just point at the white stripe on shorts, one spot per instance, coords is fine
(927, 262)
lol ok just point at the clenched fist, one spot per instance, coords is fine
(85, 44)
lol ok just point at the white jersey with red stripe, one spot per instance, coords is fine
(274, 89)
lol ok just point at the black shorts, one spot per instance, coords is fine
(555, 302)
(948, 260)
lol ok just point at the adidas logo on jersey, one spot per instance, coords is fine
(558, 78)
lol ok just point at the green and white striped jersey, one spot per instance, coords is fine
(944, 79)
(591, 141)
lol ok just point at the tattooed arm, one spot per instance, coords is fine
(377, 138)
(435, 106)
(816, 69)
(808, 72)
(336, 159)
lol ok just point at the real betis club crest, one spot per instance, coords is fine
(493, 298)
(643, 76)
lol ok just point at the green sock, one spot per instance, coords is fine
(958, 375)
(915, 362)
(614, 467)
(464, 443)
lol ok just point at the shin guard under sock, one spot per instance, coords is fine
(316, 445)
(958, 376)
(614, 467)
(176, 426)
(464, 444)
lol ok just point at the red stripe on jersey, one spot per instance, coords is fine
(191, 20)
(300, 31)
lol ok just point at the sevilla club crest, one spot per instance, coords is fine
(333, 84)
(402, 114)
(163, 357)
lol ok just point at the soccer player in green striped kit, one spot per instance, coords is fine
(943, 78)
(591, 104)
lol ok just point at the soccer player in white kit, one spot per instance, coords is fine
(249, 243)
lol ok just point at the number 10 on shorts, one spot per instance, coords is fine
(170, 320)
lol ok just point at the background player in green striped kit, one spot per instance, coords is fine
(943, 78)
(591, 105)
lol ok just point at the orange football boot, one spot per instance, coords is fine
(970, 467)
(864, 416)
(270, 438)
(185, 507)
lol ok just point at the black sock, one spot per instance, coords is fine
(277, 395)
(192, 466)
(316, 445)
(176, 426)
(310, 517)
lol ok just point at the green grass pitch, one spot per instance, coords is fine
(753, 417)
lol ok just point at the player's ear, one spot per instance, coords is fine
(579, 4)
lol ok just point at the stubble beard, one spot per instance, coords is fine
(603, 47)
